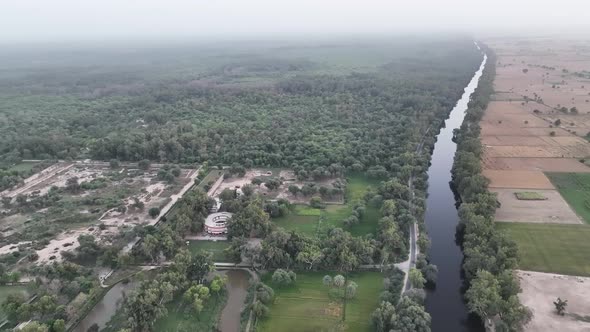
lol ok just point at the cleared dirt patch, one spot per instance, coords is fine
(518, 179)
(539, 290)
(552, 209)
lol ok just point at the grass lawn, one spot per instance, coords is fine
(182, 318)
(305, 219)
(216, 247)
(302, 218)
(555, 248)
(306, 306)
(22, 167)
(575, 189)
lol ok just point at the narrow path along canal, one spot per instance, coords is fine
(445, 303)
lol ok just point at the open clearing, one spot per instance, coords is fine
(309, 220)
(518, 179)
(575, 188)
(115, 199)
(539, 290)
(553, 209)
(306, 306)
(287, 178)
(554, 248)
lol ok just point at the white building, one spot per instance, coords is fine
(216, 223)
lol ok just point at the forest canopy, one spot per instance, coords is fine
(299, 106)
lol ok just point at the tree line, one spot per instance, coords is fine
(490, 256)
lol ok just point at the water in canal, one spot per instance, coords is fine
(445, 303)
(237, 288)
(106, 308)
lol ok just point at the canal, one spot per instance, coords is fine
(445, 303)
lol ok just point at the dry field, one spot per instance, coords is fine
(536, 164)
(518, 179)
(552, 210)
(539, 290)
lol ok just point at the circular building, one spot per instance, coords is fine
(216, 223)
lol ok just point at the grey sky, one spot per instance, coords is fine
(50, 20)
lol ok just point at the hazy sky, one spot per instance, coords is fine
(50, 20)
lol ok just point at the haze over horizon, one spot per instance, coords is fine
(29, 21)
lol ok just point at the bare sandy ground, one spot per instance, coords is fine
(552, 210)
(539, 290)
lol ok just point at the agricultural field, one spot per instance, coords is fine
(553, 248)
(307, 306)
(539, 206)
(517, 179)
(575, 189)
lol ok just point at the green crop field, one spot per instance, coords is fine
(215, 247)
(555, 248)
(306, 306)
(575, 189)
(307, 220)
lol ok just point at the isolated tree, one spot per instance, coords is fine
(144, 164)
(327, 281)
(283, 278)
(72, 185)
(114, 163)
(58, 326)
(560, 306)
(264, 293)
(416, 278)
(248, 190)
(257, 181)
(316, 202)
(154, 212)
(294, 190)
(272, 184)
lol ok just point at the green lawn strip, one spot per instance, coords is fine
(555, 248)
(308, 307)
(215, 247)
(575, 189)
(529, 196)
(181, 317)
